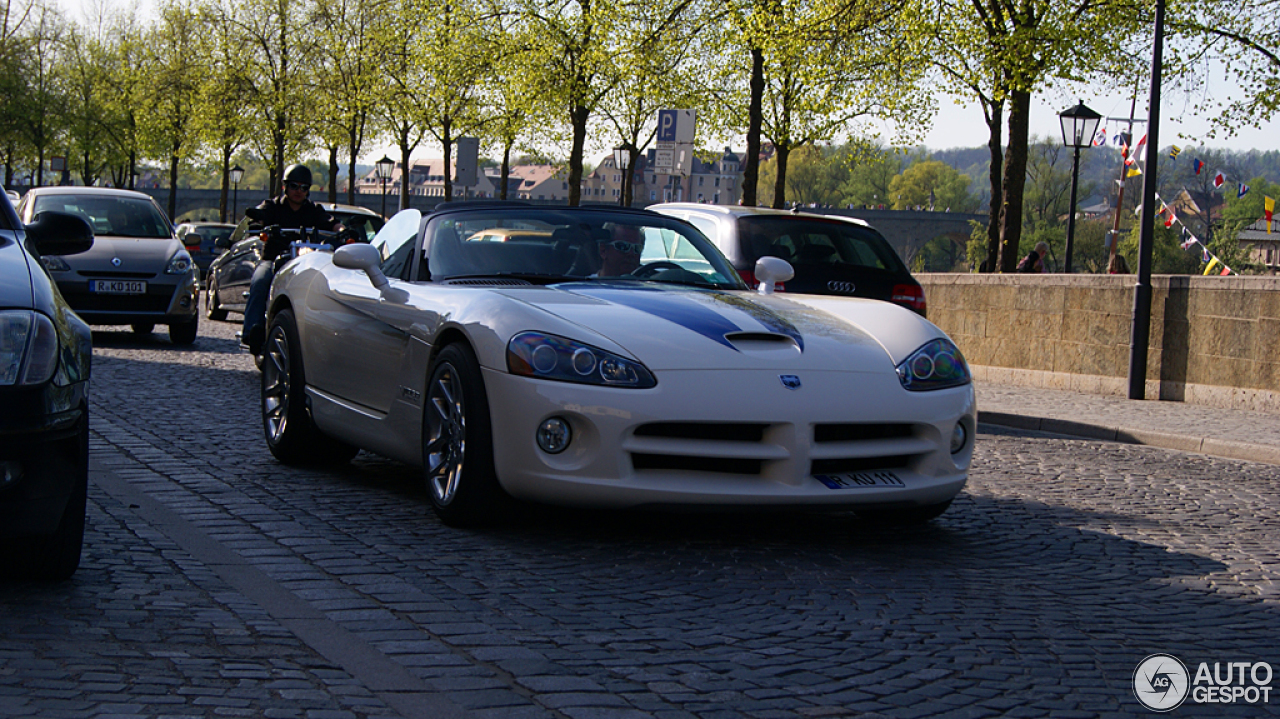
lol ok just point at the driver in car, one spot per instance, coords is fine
(620, 255)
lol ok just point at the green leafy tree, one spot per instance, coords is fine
(169, 130)
(933, 185)
(869, 177)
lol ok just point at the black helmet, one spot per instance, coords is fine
(300, 174)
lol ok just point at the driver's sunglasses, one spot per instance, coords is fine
(629, 248)
(296, 186)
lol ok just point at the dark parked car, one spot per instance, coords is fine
(137, 272)
(227, 281)
(199, 238)
(831, 255)
(45, 351)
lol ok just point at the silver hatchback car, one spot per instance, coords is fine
(137, 273)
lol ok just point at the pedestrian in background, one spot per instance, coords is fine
(1034, 261)
(1117, 266)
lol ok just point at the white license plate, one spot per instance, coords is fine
(118, 287)
(859, 480)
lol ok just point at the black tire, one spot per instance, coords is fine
(457, 442)
(904, 516)
(184, 333)
(143, 328)
(212, 309)
(58, 556)
(291, 435)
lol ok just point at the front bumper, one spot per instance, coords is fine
(44, 442)
(732, 438)
(165, 302)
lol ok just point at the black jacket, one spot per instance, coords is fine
(276, 211)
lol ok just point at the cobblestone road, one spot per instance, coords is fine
(218, 583)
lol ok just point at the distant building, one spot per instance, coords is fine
(1265, 245)
(426, 179)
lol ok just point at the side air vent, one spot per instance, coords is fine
(860, 432)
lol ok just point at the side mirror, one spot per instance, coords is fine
(59, 233)
(772, 270)
(222, 243)
(363, 257)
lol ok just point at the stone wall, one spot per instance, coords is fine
(1214, 340)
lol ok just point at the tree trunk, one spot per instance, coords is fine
(995, 123)
(446, 142)
(505, 173)
(781, 152)
(173, 184)
(1015, 180)
(755, 117)
(225, 188)
(578, 117)
(404, 174)
(354, 147)
(333, 173)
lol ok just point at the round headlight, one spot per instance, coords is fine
(544, 358)
(553, 435)
(959, 436)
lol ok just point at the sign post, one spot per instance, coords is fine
(676, 130)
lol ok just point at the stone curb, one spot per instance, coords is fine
(1229, 449)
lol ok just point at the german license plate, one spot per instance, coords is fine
(118, 287)
(859, 480)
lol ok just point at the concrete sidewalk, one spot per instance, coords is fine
(1235, 434)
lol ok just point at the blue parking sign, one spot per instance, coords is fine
(667, 125)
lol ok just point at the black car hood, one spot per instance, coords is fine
(15, 274)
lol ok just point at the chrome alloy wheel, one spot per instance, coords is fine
(446, 433)
(276, 380)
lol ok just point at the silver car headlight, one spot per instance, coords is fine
(536, 354)
(936, 365)
(55, 264)
(28, 348)
(179, 264)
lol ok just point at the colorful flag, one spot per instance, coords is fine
(1205, 256)
(1100, 138)
(1212, 263)
(1170, 220)
(1225, 271)
(1218, 179)
(1188, 239)
(1268, 207)
(1173, 151)
(1132, 172)
(1197, 165)
(1244, 189)
(1137, 149)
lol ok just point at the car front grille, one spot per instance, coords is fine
(153, 301)
(759, 448)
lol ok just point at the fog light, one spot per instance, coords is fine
(959, 436)
(554, 435)
(185, 301)
(10, 472)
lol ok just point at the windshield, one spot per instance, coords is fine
(366, 225)
(809, 241)
(549, 243)
(110, 216)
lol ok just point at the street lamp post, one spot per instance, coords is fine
(237, 174)
(1078, 127)
(621, 161)
(384, 168)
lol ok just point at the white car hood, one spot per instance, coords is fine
(670, 327)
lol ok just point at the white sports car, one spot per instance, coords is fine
(607, 357)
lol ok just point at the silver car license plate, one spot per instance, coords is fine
(860, 480)
(118, 287)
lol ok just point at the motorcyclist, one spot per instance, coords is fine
(291, 210)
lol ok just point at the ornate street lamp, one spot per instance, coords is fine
(621, 161)
(1079, 124)
(236, 175)
(384, 168)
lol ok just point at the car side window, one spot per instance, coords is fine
(396, 241)
(708, 227)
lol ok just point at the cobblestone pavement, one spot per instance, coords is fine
(218, 583)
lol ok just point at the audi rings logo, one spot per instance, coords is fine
(840, 286)
(1161, 682)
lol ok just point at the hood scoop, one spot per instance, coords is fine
(770, 344)
(490, 282)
